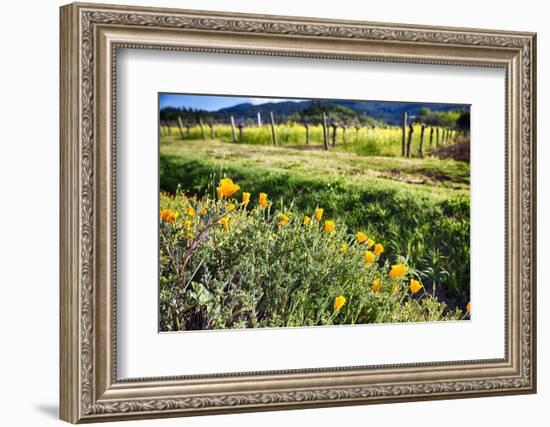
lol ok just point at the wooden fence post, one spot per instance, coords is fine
(421, 149)
(233, 136)
(211, 126)
(307, 133)
(273, 133)
(409, 140)
(180, 125)
(404, 135)
(325, 131)
(201, 124)
(259, 119)
(357, 129)
(334, 127)
(343, 134)
(431, 136)
(437, 137)
(240, 126)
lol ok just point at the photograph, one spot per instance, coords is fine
(272, 209)
(285, 212)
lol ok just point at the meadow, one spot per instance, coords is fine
(250, 265)
(362, 140)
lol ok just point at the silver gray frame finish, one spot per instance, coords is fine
(90, 36)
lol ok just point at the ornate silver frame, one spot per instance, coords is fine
(90, 36)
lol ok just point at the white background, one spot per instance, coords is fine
(141, 347)
(29, 170)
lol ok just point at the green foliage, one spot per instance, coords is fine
(338, 114)
(453, 119)
(431, 230)
(260, 271)
(463, 122)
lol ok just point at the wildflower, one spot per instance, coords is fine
(187, 225)
(262, 200)
(468, 307)
(329, 226)
(231, 207)
(394, 288)
(203, 210)
(376, 285)
(319, 213)
(378, 249)
(415, 286)
(168, 216)
(344, 248)
(307, 220)
(246, 198)
(283, 219)
(398, 270)
(225, 222)
(370, 242)
(227, 187)
(339, 302)
(190, 211)
(361, 237)
(369, 257)
(219, 192)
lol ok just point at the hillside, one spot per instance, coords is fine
(389, 113)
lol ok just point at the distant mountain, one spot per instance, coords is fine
(365, 112)
(249, 110)
(389, 112)
(392, 112)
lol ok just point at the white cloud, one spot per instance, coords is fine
(259, 101)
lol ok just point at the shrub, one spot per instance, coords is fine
(226, 262)
(432, 233)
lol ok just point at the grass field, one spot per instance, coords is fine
(381, 141)
(419, 209)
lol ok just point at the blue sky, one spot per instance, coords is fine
(211, 103)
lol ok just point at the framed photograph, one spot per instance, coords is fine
(266, 212)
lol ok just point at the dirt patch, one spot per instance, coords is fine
(458, 151)
(393, 172)
(435, 176)
(411, 180)
(396, 175)
(310, 147)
